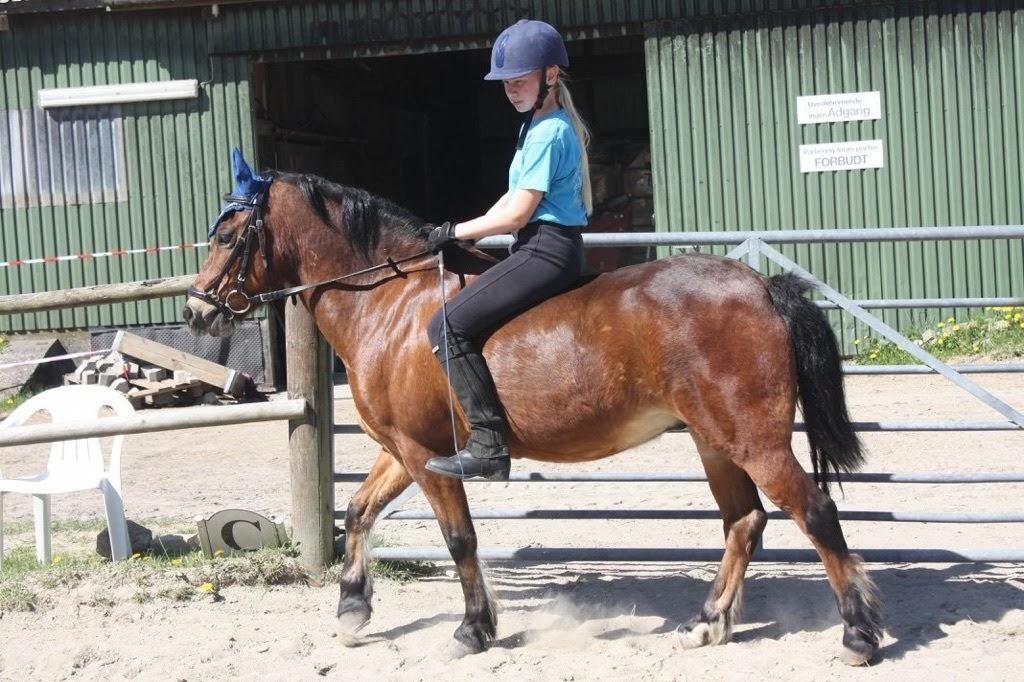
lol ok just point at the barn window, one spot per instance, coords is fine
(63, 156)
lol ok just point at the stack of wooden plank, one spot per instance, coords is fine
(154, 375)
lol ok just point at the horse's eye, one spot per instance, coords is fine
(225, 238)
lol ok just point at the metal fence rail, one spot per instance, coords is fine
(839, 236)
(703, 515)
(659, 554)
(925, 425)
(699, 477)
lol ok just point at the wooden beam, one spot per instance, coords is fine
(227, 379)
(95, 295)
(153, 421)
(311, 439)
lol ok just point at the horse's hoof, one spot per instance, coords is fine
(856, 658)
(693, 635)
(467, 641)
(704, 630)
(350, 622)
(458, 649)
(858, 648)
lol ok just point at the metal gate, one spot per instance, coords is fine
(759, 251)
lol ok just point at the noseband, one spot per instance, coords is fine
(237, 303)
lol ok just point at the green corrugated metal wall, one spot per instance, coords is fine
(723, 80)
(176, 156)
(725, 137)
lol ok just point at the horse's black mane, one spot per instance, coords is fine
(365, 216)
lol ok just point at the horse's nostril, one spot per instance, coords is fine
(186, 313)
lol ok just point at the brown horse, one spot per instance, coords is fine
(599, 369)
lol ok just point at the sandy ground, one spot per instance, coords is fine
(579, 621)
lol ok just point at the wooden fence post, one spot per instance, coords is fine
(311, 439)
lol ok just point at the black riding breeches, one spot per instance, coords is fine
(546, 260)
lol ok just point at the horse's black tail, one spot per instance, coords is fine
(834, 444)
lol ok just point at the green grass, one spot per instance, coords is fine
(97, 523)
(11, 403)
(995, 333)
(22, 576)
(403, 571)
(14, 596)
(398, 571)
(188, 577)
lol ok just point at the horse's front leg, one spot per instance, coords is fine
(386, 481)
(447, 497)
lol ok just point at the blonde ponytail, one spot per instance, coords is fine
(564, 99)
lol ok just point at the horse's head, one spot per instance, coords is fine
(236, 267)
(318, 236)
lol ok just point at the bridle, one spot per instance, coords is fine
(237, 303)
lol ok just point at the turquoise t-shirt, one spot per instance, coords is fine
(550, 162)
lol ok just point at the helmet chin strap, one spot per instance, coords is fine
(542, 94)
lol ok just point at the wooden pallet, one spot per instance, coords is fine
(144, 392)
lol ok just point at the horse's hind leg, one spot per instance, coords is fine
(743, 520)
(386, 480)
(779, 475)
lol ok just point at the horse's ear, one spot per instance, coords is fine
(243, 174)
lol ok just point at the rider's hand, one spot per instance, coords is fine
(441, 236)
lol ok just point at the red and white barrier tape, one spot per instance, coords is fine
(55, 358)
(15, 262)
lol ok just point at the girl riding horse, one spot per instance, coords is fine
(547, 203)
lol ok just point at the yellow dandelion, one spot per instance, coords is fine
(951, 320)
(856, 342)
(1017, 316)
(56, 560)
(219, 552)
(176, 562)
(940, 325)
(136, 555)
(206, 587)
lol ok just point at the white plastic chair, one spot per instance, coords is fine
(74, 464)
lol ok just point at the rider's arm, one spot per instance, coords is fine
(508, 217)
(500, 203)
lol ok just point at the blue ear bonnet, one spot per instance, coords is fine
(246, 185)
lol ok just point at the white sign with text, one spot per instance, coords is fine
(836, 156)
(849, 106)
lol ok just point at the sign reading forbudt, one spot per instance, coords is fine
(835, 156)
(849, 106)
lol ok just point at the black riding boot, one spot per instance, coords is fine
(485, 453)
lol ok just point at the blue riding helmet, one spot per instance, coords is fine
(526, 46)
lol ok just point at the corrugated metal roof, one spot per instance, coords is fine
(24, 6)
(41, 6)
